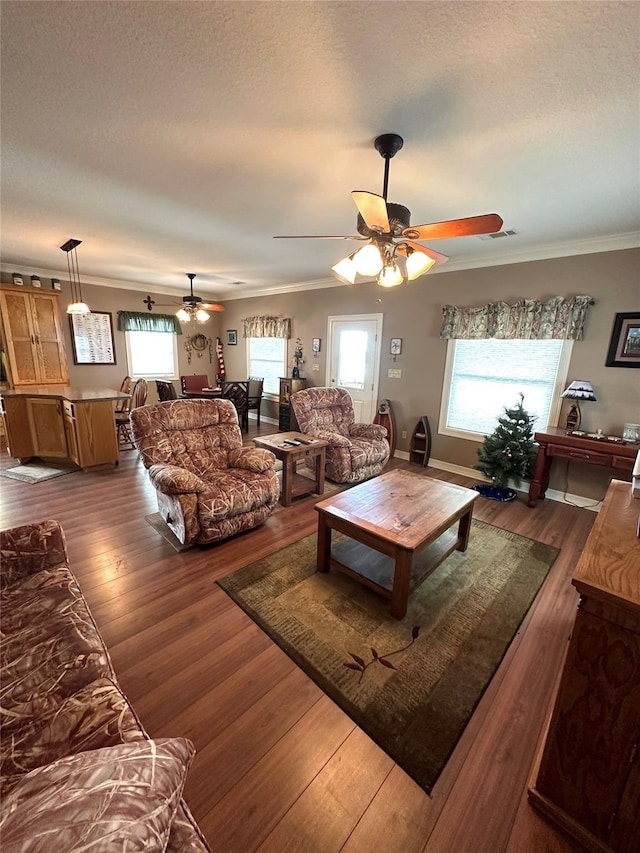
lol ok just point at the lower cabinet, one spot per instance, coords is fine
(587, 775)
(57, 428)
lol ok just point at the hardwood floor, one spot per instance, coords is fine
(279, 767)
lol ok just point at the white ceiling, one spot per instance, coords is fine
(182, 136)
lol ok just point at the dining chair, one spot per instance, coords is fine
(255, 395)
(166, 391)
(238, 393)
(123, 423)
(194, 382)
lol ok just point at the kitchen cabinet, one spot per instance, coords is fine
(587, 775)
(66, 423)
(286, 417)
(33, 338)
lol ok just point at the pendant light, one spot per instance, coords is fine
(77, 306)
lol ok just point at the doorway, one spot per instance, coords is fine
(353, 361)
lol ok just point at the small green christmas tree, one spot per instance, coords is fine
(509, 452)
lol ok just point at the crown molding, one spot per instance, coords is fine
(611, 243)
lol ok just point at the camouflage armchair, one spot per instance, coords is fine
(356, 451)
(208, 485)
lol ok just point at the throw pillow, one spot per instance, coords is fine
(118, 798)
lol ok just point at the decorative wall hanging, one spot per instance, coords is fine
(232, 337)
(92, 338)
(624, 347)
(199, 344)
(315, 346)
(396, 347)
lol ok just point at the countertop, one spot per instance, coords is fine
(67, 392)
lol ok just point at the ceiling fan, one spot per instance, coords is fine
(192, 307)
(391, 252)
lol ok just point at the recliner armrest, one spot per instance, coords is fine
(335, 439)
(368, 431)
(30, 548)
(255, 459)
(173, 480)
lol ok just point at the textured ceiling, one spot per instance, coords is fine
(181, 136)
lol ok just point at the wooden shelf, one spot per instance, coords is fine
(420, 449)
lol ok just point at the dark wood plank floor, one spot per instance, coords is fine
(279, 767)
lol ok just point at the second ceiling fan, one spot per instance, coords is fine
(192, 307)
(391, 253)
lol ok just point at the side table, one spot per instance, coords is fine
(294, 485)
(557, 442)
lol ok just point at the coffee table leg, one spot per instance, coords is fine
(464, 528)
(324, 544)
(401, 582)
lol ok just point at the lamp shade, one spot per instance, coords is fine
(579, 389)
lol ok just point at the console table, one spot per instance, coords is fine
(557, 442)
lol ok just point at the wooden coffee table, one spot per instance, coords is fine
(399, 527)
(294, 485)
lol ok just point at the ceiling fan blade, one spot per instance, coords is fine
(373, 209)
(317, 237)
(213, 306)
(486, 224)
(438, 257)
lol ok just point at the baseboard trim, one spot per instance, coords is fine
(551, 494)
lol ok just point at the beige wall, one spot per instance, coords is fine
(413, 312)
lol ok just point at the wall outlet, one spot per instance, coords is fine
(404, 433)
(394, 373)
(315, 366)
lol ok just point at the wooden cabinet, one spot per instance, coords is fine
(286, 418)
(33, 337)
(55, 426)
(587, 776)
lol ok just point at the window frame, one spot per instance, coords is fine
(269, 395)
(472, 435)
(162, 376)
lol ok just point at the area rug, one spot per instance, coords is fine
(411, 685)
(36, 472)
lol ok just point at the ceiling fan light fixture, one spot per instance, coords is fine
(390, 276)
(418, 263)
(183, 316)
(368, 260)
(345, 270)
(201, 316)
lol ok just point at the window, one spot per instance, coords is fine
(484, 376)
(153, 355)
(267, 358)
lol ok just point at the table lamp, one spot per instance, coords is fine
(579, 389)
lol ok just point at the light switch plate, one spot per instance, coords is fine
(394, 373)
(315, 367)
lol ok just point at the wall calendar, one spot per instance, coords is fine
(92, 338)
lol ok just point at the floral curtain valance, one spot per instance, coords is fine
(138, 321)
(528, 319)
(267, 327)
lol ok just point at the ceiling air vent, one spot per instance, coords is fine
(509, 233)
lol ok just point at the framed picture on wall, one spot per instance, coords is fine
(92, 338)
(624, 346)
(315, 346)
(396, 346)
(232, 337)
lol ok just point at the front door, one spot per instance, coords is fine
(354, 360)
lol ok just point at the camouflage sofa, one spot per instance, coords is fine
(356, 451)
(209, 486)
(77, 770)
